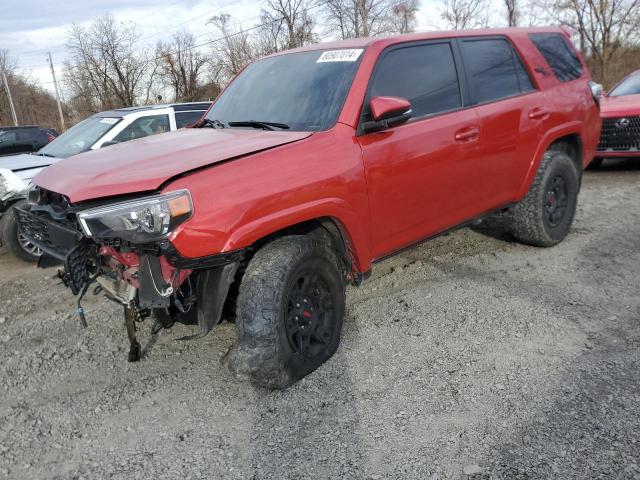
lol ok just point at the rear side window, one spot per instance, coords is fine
(423, 74)
(556, 50)
(495, 71)
(184, 119)
(28, 134)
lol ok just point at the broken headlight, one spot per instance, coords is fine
(138, 221)
(10, 184)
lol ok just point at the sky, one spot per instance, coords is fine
(31, 28)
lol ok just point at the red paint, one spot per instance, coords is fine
(386, 190)
(145, 164)
(383, 107)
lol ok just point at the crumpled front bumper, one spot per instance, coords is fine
(61, 243)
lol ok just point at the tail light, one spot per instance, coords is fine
(50, 137)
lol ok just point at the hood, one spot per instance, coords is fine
(623, 106)
(25, 161)
(145, 164)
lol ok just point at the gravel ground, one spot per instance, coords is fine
(468, 357)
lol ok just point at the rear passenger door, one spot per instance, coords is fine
(422, 176)
(27, 140)
(513, 114)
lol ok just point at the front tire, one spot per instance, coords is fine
(544, 217)
(16, 243)
(290, 312)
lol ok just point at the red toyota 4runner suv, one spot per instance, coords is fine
(311, 165)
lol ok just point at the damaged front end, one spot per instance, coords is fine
(123, 250)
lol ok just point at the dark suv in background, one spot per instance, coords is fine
(24, 139)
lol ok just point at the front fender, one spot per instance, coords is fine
(335, 208)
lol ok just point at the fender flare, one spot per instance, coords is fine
(551, 136)
(350, 224)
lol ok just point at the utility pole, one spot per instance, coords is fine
(55, 84)
(13, 109)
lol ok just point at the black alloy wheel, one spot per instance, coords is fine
(310, 316)
(557, 200)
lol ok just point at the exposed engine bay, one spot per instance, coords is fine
(120, 249)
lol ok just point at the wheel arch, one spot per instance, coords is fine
(330, 221)
(566, 138)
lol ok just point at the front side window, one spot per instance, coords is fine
(304, 91)
(628, 86)
(556, 50)
(494, 70)
(423, 74)
(80, 137)
(144, 127)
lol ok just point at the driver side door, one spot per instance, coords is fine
(422, 176)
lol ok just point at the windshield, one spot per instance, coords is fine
(304, 91)
(628, 86)
(79, 138)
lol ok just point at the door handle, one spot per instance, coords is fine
(538, 113)
(467, 134)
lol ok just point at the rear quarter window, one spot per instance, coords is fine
(556, 50)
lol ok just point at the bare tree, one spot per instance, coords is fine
(8, 64)
(512, 12)
(463, 14)
(33, 104)
(404, 15)
(605, 29)
(106, 67)
(286, 24)
(364, 18)
(233, 50)
(182, 67)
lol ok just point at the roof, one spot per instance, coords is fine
(433, 35)
(19, 127)
(121, 112)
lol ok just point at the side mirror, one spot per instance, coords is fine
(109, 143)
(388, 112)
(597, 90)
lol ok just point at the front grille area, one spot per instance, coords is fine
(57, 239)
(620, 134)
(62, 240)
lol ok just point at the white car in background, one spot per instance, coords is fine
(97, 131)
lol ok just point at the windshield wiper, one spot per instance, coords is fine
(42, 154)
(207, 122)
(257, 124)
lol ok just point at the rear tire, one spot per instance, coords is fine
(544, 217)
(290, 311)
(15, 242)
